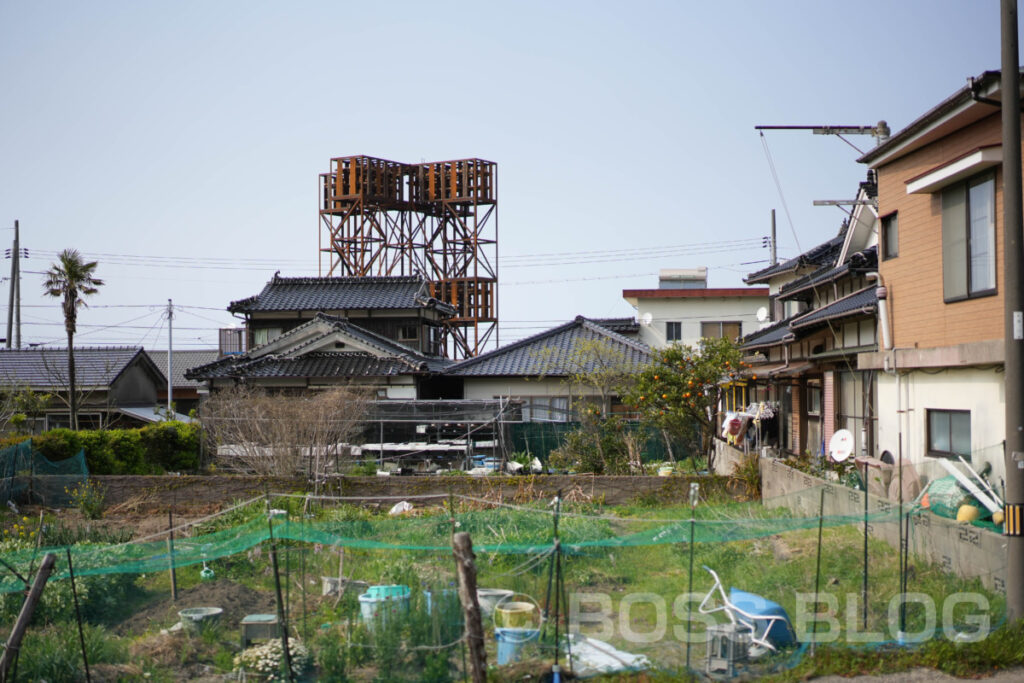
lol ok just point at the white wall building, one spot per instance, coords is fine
(683, 309)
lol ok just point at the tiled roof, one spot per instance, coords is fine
(393, 356)
(864, 301)
(94, 367)
(339, 294)
(318, 364)
(549, 353)
(769, 336)
(863, 260)
(183, 360)
(821, 255)
(620, 325)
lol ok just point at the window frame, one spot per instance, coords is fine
(721, 329)
(965, 229)
(931, 451)
(890, 241)
(814, 388)
(673, 330)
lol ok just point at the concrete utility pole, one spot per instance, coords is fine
(170, 354)
(1013, 298)
(14, 298)
(775, 257)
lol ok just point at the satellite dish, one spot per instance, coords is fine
(762, 314)
(841, 445)
(646, 319)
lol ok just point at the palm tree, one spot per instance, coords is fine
(70, 278)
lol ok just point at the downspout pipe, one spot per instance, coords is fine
(883, 309)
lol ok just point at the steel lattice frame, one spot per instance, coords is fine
(435, 219)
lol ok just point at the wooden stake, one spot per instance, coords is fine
(21, 625)
(170, 555)
(464, 562)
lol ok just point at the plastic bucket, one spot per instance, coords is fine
(511, 642)
(511, 614)
(192, 617)
(379, 601)
(489, 598)
(666, 471)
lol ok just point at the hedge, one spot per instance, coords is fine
(153, 449)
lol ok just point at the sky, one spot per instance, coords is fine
(180, 144)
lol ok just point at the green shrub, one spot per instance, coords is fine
(53, 654)
(150, 450)
(172, 446)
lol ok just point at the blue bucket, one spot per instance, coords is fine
(511, 642)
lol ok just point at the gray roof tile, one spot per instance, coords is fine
(824, 254)
(863, 302)
(184, 360)
(769, 336)
(94, 367)
(338, 294)
(318, 364)
(549, 353)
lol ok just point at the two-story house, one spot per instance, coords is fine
(940, 194)
(805, 364)
(683, 309)
(380, 333)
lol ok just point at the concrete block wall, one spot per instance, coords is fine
(961, 549)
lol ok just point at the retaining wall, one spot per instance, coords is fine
(159, 493)
(963, 549)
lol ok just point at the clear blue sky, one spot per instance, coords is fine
(180, 143)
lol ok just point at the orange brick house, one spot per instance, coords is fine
(940, 381)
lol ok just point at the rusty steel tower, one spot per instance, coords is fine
(435, 219)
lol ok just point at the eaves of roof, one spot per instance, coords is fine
(819, 255)
(340, 294)
(772, 335)
(859, 303)
(958, 99)
(865, 260)
(315, 365)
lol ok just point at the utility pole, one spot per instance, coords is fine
(1013, 299)
(14, 297)
(170, 354)
(775, 257)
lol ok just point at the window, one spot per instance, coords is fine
(890, 237)
(63, 421)
(408, 333)
(673, 331)
(854, 409)
(265, 335)
(715, 330)
(814, 398)
(949, 433)
(856, 333)
(546, 409)
(969, 239)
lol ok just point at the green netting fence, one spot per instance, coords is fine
(27, 476)
(540, 438)
(616, 579)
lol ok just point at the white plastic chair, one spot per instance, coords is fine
(759, 625)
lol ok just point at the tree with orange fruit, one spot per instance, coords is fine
(681, 390)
